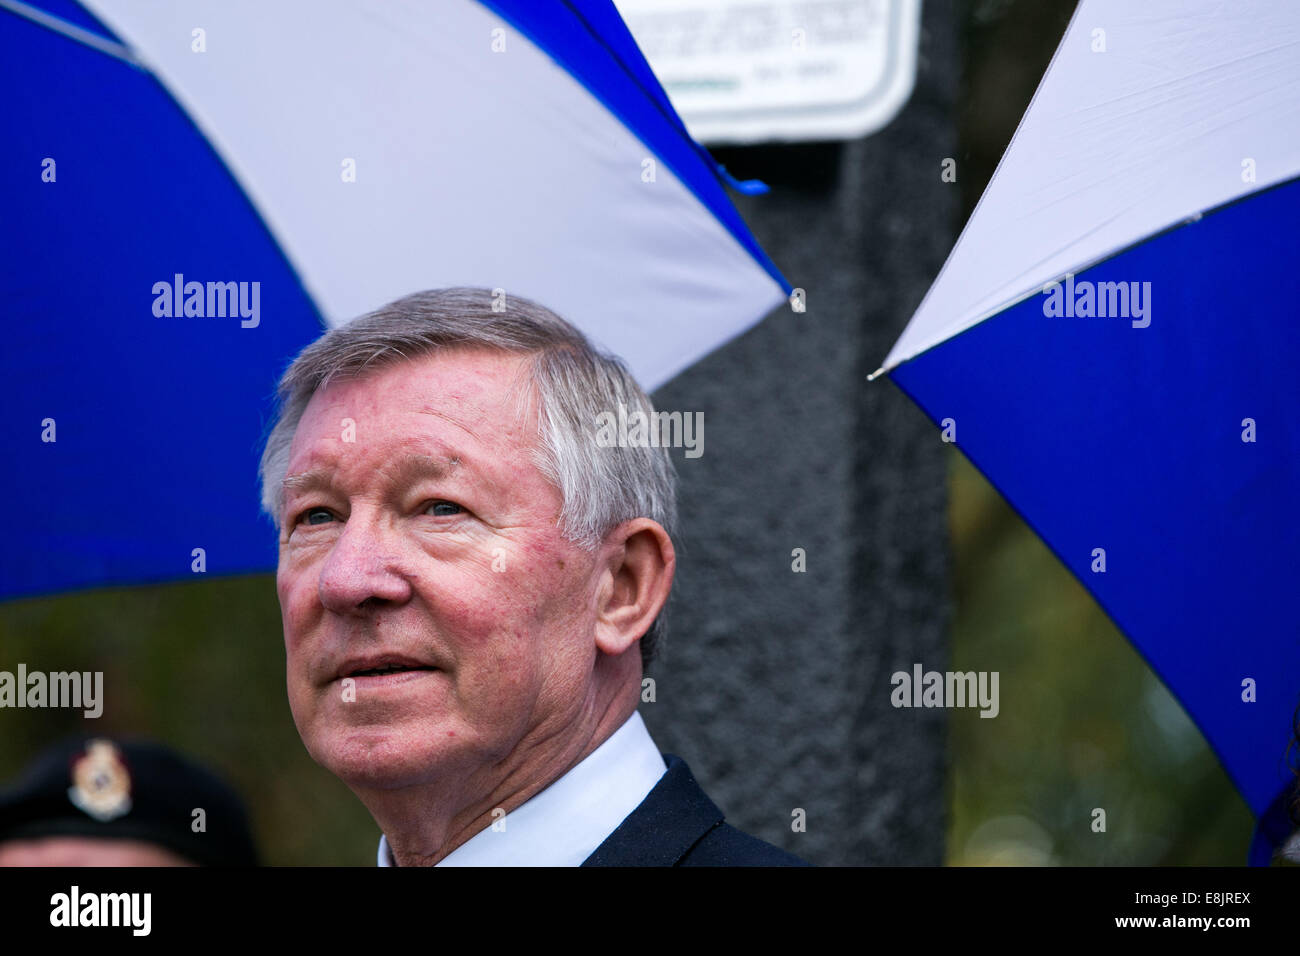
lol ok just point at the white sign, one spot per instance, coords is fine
(749, 72)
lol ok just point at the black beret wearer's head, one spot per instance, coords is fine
(128, 788)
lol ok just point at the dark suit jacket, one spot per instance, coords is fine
(678, 825)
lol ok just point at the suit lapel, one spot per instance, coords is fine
(670, 820)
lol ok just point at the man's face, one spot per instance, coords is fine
(418, 533)
(86, 851)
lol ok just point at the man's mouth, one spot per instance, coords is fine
(381, 666)
(388, 669)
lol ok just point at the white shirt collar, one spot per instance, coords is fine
(563, 825)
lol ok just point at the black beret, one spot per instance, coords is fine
(128, 789)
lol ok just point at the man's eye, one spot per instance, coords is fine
(316, 516)
(443, 509)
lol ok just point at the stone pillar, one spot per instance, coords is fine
(775, 685)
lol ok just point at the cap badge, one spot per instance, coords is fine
(101, 785)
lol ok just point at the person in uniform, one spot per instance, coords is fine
(97, 801)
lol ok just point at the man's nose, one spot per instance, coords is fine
(364, 569)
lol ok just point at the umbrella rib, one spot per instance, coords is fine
(72, 31)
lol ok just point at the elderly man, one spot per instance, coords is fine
(471, 586)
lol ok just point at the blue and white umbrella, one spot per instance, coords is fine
(193, 190)
(1114, 342)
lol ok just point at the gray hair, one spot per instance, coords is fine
(573, 382)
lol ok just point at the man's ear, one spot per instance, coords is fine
(639, 565)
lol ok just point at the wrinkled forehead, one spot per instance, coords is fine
(483, 395)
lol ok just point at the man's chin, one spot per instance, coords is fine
(383, 758)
